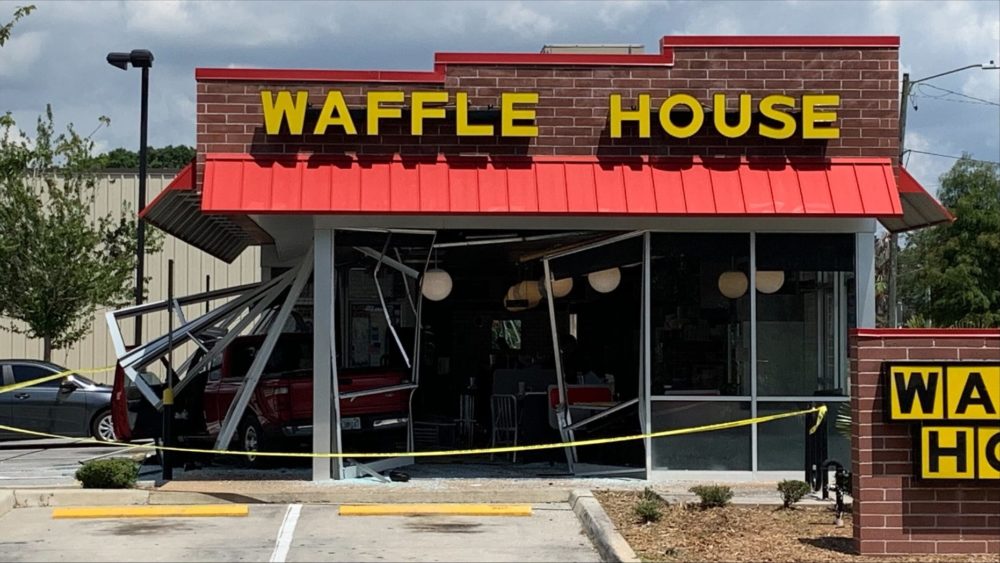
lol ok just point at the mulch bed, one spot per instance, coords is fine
(742, 533)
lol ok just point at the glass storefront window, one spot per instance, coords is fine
(805, 306)
(700, 317)
(781, 444)
(723, 450)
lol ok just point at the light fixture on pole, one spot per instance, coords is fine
(141, 59)
(894, 237)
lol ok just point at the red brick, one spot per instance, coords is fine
(909, 547)
(871, 547)
(964, 546)
(884, 534)
(979, 354)
(932, 354)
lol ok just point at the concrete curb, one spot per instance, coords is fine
(34, 498)
(601, 530)
(6, 502)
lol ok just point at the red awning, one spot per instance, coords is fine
(920, 208)
(243, 183)
(177, 211)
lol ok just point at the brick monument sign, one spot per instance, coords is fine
(925, 441)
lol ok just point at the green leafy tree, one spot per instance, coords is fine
(58, 262)
(170, 156)
(950, 274)
(7, 28)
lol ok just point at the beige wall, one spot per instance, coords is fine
(190, 268)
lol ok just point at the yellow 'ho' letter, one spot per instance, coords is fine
(462, 126)
(335, 112)
(284, 109)
(719, 116)
(376, 111)
(420, 112)
(811, 117)
(508, 114)
(768, 109)
(697, 116)
(617, 115)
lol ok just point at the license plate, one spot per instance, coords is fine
(350, 423)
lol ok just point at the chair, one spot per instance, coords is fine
(504, 416)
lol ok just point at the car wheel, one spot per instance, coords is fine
(251, 439)
(102, 427)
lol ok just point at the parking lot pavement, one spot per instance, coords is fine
(304, 533)
(47, 463)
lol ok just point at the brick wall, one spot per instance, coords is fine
(894, 513)
(573, 101)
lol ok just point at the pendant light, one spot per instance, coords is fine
(733, 284)
(436, 283)
(605, 281)
(770, 281)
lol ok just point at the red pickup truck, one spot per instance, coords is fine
(281, 407)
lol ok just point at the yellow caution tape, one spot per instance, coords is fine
(61, 374)
(820, 410)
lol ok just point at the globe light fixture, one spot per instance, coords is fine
(733, 284)
(770, 281)
(436, 284)
(605, 281)
(522, 296)
(560, 288)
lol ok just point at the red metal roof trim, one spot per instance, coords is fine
(443, 185)
(436, 76)
(317, 75)
(665, 58)
(765, 41)
(926, 332)
(184, 180)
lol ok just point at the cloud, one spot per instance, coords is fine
(73, 37)
(520, 19)
(246, 24)
(21, 53)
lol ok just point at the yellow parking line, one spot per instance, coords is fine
(450, 509)
(159, 511)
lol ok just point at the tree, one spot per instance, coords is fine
(950, 274)
(58, 264)
(170, 156)
(5, 29)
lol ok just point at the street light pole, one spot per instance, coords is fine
(893, 237)
(142, 59)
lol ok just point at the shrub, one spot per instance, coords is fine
(113, 473)
(650, 494)
(712, 496)
(648, 510)
(793, 491)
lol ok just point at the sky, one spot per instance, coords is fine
(56, 55)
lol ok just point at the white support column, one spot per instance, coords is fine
(864, 277)
(326, 394)
(236, 409)
(645, 404)
(563, 419)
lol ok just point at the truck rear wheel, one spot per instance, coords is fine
(251, 439)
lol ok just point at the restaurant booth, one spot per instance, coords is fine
(578, 243)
